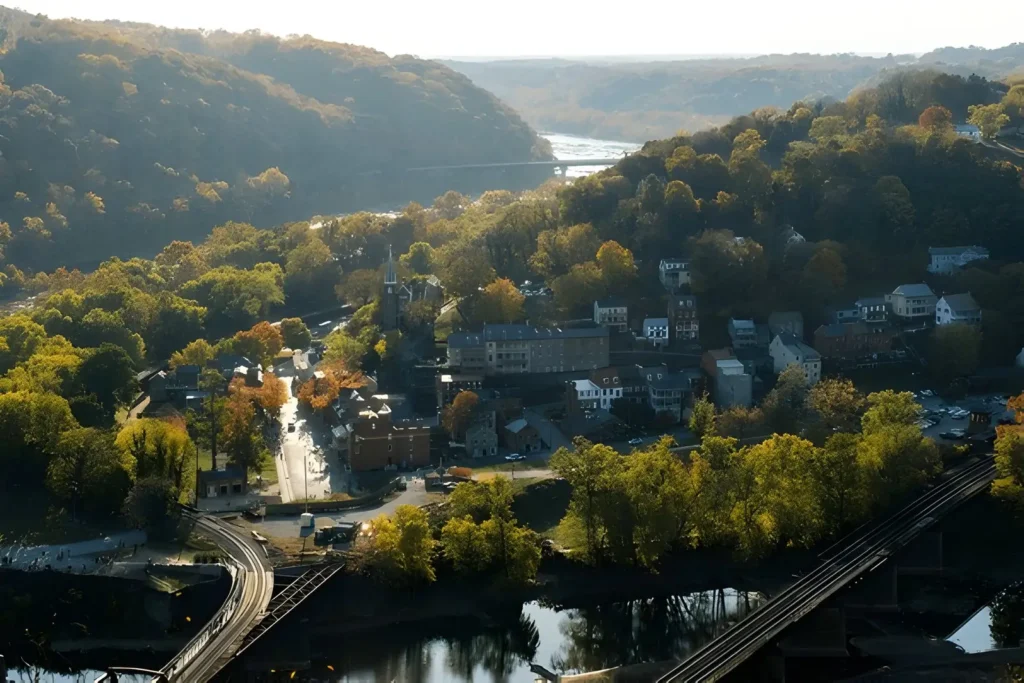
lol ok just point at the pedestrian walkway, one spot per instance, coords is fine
(70, 556)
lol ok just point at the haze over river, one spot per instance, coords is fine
(568, 147)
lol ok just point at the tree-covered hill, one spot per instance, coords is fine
(118, 138)
(642, 101)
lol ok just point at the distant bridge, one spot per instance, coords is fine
(554, 164)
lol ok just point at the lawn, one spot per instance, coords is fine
(528, 464)
(541, 504)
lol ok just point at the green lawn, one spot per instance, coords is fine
(269, 471)
(541, 504)
(528, 464)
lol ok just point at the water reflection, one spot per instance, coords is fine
(1000, 624)
(565, 640)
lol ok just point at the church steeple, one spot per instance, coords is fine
(389, 277)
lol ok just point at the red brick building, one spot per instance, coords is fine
(376, 442)
(848, 340)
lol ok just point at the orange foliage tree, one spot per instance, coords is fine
(320, 392)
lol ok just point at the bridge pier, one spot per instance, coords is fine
(876, 591)
(822, 633)
(924, 555)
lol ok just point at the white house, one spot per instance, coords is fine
(611, 312)
(656, 331)
(969, 131)
(950, 259)
(1020, 358)
(673, 273)
(957, 308)
(912, 302)
(588, 394)
(787, 350)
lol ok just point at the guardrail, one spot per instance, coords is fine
(221, 617)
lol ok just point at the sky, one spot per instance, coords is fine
(485, 28)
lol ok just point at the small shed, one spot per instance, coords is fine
(230, 481)
(981, 418)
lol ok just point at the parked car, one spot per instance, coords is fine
(636, 442)
(514, 457)
(952, 436)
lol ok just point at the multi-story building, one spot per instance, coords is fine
(951, 259)
(377, 442)
(683, 320)
(447, 386)
(872, 309)
(734, 386)
(612, 312)
(674, 273)
(743, 333)
(957, 308)
(609, 383)
(787, 350)
(912, 302)
(843, 313)
(853, 339)
(482, 435)
(668, 394)
(587, 394)
(521, 349)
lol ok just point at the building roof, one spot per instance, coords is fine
(676, 381)
(869, 301)
(584, 385)
(742, 324)
(229, 473)
(530, 333)
(919, 289)
(797, 346)
(673, 263)
(954, 251)
(462, 340)
(516, 426)
(961, 303)
(730, 366)
(655, 322)
(612, 301)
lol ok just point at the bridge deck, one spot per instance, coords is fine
(557, 163)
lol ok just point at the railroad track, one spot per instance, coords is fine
(862, 551)
(252, 586)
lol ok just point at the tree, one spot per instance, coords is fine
(740, 422)
(109, 374)
(890, 409)
(561, 249)
(500, 302)
(320, 392)
(161, 449)
(360, 287)
(272, 395)
(896, 459)
(457, 416)
(344, 349)
(401, 547)
(419, 258)
(657, 487)
(465, 544)
(681, 206)
(152, 505)
(835, 405)
(261, 343)
(784, 406)
(199, 353)
(726, 269)
(702, 417)
(1010, 456)
(88, 470)
(243, 437)
(618, 269)
(295, 333)
(937, 119)
(839, 480)
(634, 414)
(463, 268)
(590, 469)
(577, 290)
(989, 118)
(955, 351)
(310, 271)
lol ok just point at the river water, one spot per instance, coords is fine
(569, 147)
(563, 640)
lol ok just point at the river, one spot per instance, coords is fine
(563, 640)
(570, 147)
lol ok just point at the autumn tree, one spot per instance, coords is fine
(785, 405)
(702, 417)
(579, 288)
(261, 343)
(360, 287)
(456, 416)
(955, 351)
(198, 352)
(88, 471)
(839, 481)
(740, 422)
(319, 392)
(500, 302)
(559, 250)
(590, 469)
(618, 269)
(937, 119)
(243, 436)
(834, 405)
(419, 259)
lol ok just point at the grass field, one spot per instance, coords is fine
(541, 503)
(528, 464)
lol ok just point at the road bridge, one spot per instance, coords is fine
(554, 164)
(863, 551)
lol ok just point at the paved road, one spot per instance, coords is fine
(251, 594)
(22, 557)
(288, 526)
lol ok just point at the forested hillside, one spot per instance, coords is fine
(648, 100)
(117, 139)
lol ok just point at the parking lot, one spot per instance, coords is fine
(953, 417)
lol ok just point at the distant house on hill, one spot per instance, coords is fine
(912, 302)
(674, 273)
(951, 259)
(957, 308)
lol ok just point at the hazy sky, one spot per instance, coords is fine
(431, 28)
